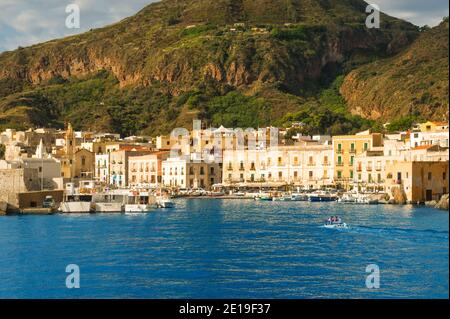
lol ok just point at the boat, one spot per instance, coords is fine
(263, 197)
(357, 198)
(75, 207)
(322, 197)
(299, 198)
(164, 202)
(138, 202)
(282, 198)
(108, 202)
(108, 207)
(77, 200)
(335, 223)
(336, 226)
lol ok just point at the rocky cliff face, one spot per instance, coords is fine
(175, 47)
(414, 82)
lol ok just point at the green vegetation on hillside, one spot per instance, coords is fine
(234, 63)
(414, 82)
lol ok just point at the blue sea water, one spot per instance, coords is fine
(228, 249)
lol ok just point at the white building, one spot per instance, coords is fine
(102, 168)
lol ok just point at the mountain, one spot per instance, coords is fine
(239, 63)
(414, 82)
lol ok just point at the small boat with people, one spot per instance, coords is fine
(335, 222)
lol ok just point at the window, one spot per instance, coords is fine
(212, 171)
(352, 147)
(339, 160)
(351, 174)
(444, 176)
(366, 146)
(352, 159)
(430, 176)
(339, 174)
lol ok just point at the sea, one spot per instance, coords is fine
(220, 249)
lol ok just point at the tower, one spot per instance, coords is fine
(40, 150)
(70, 141)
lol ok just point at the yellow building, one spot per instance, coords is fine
(75, 163)
(433, 126)
(345, 150)
(421, 181)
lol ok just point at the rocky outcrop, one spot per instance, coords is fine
(443, 203)
(398, 196)
(3, 208)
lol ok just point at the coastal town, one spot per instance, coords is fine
(45, 169)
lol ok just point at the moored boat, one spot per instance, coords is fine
(322, 197)
(75, 207)
(164, 202)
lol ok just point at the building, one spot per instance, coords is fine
(190, 174)
(420, 181)
(419, 138)
(430, 126)
(146, 170)
(345, 150)
(76, 163)
(308, 166)
(102, 168)
(119, 164)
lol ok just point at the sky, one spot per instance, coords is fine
(27, 22)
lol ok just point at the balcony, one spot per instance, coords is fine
(359, 169)
(369, 169)
(311, 164)
(353, 151)
(340, 152)
(339, 164)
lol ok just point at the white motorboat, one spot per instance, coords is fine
(335, 223)
(336, 226)
(164, 202)
(283, 198)
(299, 197)
(137, 208)
(357, 198)
(108, 207)
(75, 207)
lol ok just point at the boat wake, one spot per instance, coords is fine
(408, 234)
